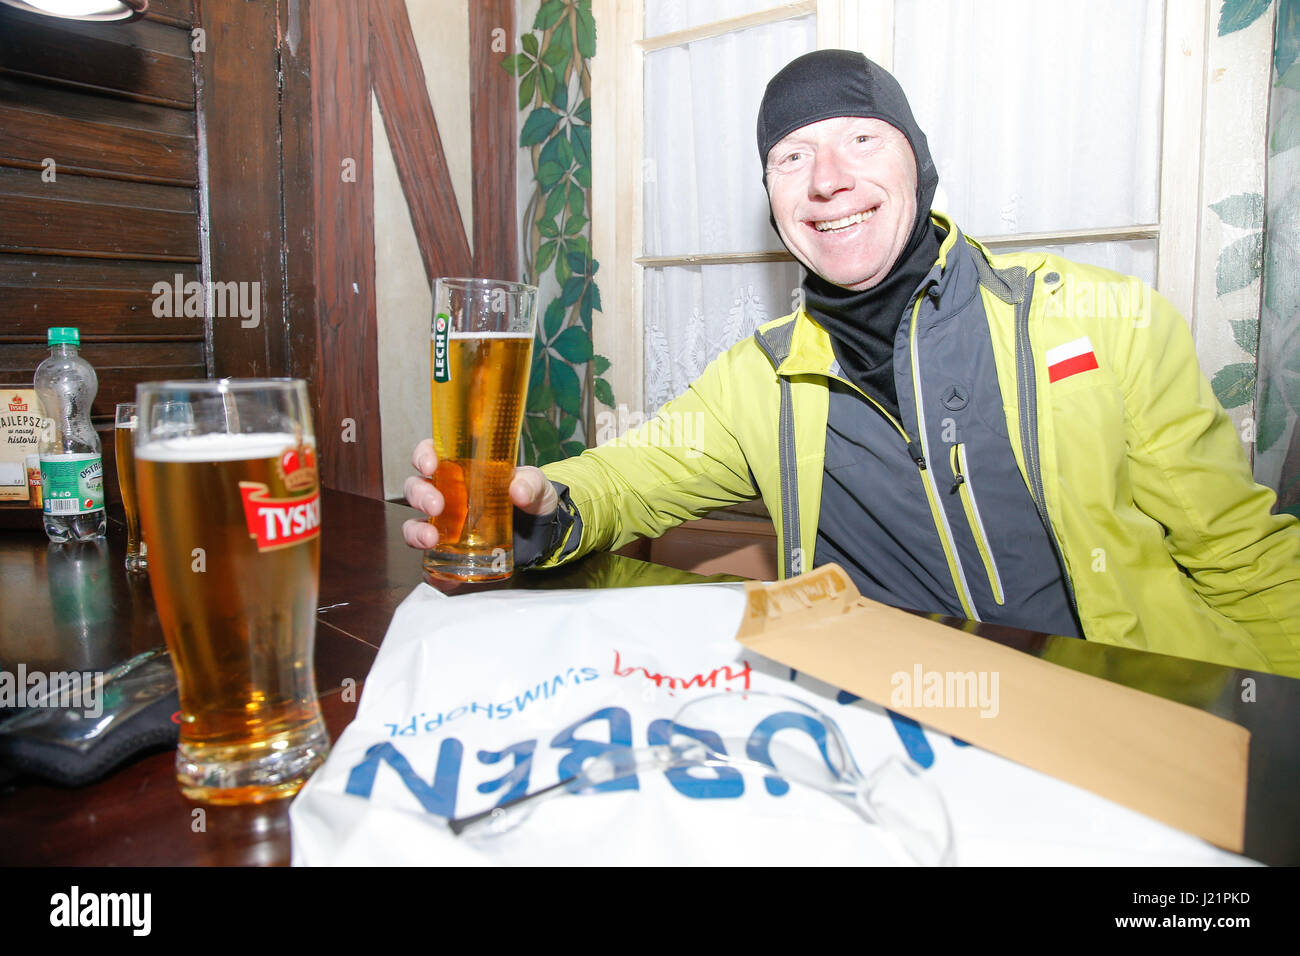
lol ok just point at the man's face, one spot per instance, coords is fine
(843, 193)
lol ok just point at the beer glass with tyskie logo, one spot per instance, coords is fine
(480, 355)
(230, 506)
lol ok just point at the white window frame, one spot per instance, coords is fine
(618, 120)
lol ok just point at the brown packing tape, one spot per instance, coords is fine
(1169, 761)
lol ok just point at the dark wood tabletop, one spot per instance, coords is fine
(67, 608)
(74, 607)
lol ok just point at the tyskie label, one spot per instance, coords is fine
(278, 522)
(282, 522)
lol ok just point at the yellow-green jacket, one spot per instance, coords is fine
(1167, 543)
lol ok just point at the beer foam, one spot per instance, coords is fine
(490, 335)
(218, 447)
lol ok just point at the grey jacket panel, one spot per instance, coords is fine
(962, 406)
(875, 519)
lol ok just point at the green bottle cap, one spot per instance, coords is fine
(64, 335)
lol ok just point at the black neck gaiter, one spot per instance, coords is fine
(862, 325)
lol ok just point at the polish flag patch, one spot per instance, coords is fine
(1070, 359)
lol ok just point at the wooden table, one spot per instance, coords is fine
(77, 608)
(64, 608)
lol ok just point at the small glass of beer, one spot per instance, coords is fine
(124, 445)
(230, 505)
(480, 355)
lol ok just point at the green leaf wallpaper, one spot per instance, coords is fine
(1239, 14)
(1241, 262)
(1277, 386)
(554, 77)
(1244, 210)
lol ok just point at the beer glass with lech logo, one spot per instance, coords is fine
(124, 447)
(230, 505)
(480, 355)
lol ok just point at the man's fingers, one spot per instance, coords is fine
(419, 534)
(421, 495)
(531, 492)
(424, 459)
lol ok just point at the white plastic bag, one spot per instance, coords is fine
(475, 700)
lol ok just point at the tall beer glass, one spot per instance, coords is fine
(230, 506)
(124, 446)
(481, 351)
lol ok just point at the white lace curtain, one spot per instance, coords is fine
(1042, 117)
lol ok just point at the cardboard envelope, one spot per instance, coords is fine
(1167, 760)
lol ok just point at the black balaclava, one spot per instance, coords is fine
(862, 325)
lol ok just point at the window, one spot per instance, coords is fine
(1062, 126)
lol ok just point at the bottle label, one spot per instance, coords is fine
(441, 327)
(72, 484)
(20, 433)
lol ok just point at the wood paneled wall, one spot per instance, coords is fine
(99, 198)
(223, 164)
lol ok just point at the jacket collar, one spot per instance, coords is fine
(810, 351)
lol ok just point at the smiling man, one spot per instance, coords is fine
(843, 193)
(976, 435)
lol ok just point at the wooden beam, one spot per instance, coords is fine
(492, 124)
(298, 163)
(403, 96)
(346, 384)
(240, 183)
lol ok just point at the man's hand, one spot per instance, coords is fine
(530, 491)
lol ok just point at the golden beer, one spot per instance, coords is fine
(124, 444)
(477, 413)
(233, 524)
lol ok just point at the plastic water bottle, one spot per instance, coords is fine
(72, 468)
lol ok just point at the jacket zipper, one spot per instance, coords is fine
(963, 486)
(1027, 389)
(937, 512)
(917, 451)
